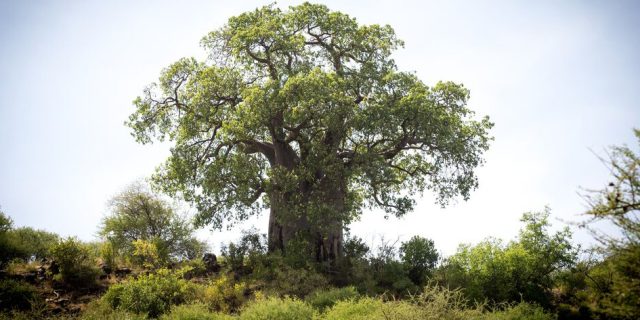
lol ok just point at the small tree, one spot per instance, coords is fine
(33, 244)
(7, 249)
(524, 269)
(419, 256)
(140, 215)
(619, 203)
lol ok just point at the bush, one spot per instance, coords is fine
(391, 277)
(281, 309)
(162, 235)
(17, 295)
(222, 294)
(355, 248)
(99, 310)
(522, 270)
(152, 294)
(281, 279)
(107, 254)
(244, 256)
(196, 268)
(373, 309)
(296, 282)
(146, 254)
(419, 257)
(77, 266)
(194, 312)
(521, 311)
(442, 303)
(23, 243)
(433, 303)
(8, 249)
(325, 299)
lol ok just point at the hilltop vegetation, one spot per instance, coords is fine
(538, 275)
(304, 113)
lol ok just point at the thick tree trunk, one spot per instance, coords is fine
(324, 235)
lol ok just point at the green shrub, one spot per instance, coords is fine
(355, 248)
(194, 312)
(34, 244)
(521, 311)
(146, 229)
(325, 299)
(297, 282)
(521, 270)
(281, 279)
(152, 294)
(77, 266)
(275, 308)
(373, 309)
(146, 254)
(442, 303)
(391, 277)
(242, 257)
(8, 248)
(107, 254)
(99, 310)
(419, 257)
(17, 295)
(196, 268)
(224, 295)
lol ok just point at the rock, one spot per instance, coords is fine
(121, 272)
(54, 268)
(211, 262)
(106, 268)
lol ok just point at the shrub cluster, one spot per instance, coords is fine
(223, 294)
(17, 295)
(77, 264)
(324, 299)
(152, 294)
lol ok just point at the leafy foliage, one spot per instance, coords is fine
(615, 282)
(296, 282)
(16, 295)
(304, 111)
(243, 256)
(520, 311)
(77, 264)
(146, 227)
(152, 294)
(277, 308)
(521, 270)
(224, 295)
(419, 256)
(33, 244)
(194, 312)
(99, 310)
(324, 299)
(7, 247)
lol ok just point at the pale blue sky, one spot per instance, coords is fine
(557, 78)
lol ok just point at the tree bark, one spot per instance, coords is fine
(323, 235)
